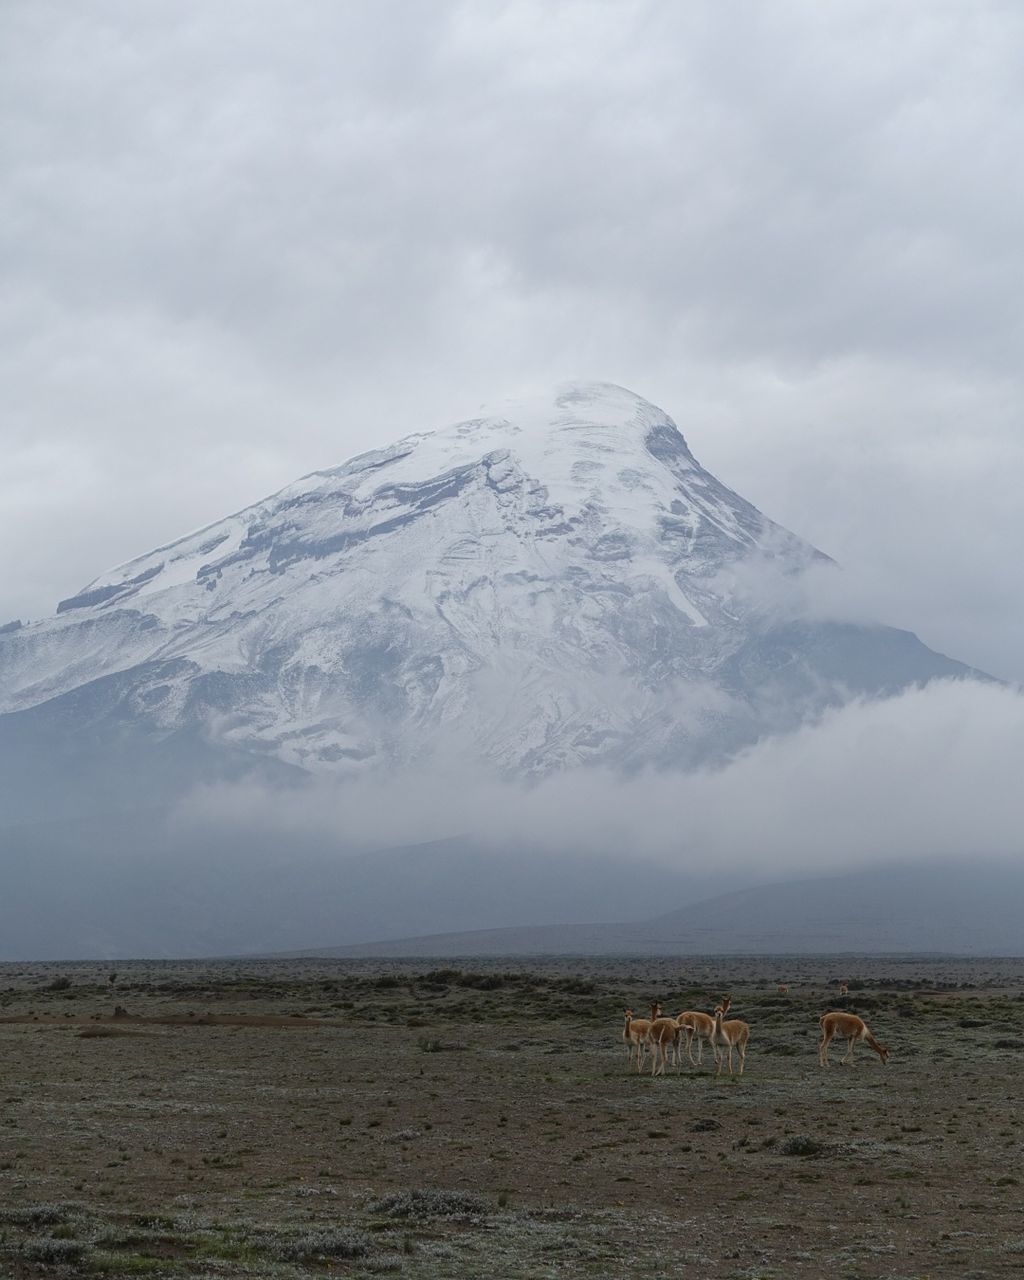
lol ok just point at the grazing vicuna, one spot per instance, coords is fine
(849, 1027)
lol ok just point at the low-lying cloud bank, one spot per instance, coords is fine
(931, 775)
(926, 780)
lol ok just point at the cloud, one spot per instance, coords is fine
(928, 776)
(248, 246)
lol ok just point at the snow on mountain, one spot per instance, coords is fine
(559, 584)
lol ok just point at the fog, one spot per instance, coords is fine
(928, 780)
(931, 774)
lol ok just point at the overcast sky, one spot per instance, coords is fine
(242, 241)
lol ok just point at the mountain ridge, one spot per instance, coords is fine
(952, 910)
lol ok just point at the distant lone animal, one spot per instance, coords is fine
(849, 1027)
(844, 989)
(783, 989)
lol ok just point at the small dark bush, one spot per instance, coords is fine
(314, 1244)
(801, 1145)
(441, 977)
(430, 1204)
(50, 1249)
(705, 1125)
(42, 1215)
(576, 986)
(481, 981)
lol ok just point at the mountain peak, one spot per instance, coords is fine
(583, 441)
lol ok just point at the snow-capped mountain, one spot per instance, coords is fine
(558, 585)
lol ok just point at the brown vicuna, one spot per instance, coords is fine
(663, 1037)
(730, 1035)
(634, 1033)
(848, 1027)
(701, 1025)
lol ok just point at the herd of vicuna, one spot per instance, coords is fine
(661, 1036)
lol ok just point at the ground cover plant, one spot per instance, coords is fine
(477, 1118)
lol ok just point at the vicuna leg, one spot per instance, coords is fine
(826, 1040)
(849, 1053)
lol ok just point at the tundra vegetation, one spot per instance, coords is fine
(478, 1119)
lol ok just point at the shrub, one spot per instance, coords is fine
(576, 986)
(42, 1215)
(441, 977)
(51, 1249)
(430, 1204)
(801, 1145)
(313, 1244)
(705, 1125)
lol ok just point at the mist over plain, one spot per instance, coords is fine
(929, 774)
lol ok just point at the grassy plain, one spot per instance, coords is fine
(360, 1118)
